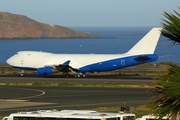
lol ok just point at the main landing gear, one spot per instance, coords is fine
(77, 75)
(80, 75)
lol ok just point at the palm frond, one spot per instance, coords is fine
(167, 93)
(171, 26)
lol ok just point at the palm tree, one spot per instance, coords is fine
(167, 94)
(166, 100)
(171, 26)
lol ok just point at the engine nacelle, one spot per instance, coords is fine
(45, 70)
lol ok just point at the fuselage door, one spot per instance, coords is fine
(22, 61)
(123, 62)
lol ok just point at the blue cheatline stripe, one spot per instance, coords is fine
(119, 63)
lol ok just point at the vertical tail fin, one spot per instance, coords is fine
(147, 44)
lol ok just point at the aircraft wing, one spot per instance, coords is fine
(48, 69)
(65, 67)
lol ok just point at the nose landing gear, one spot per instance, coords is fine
(22, 73)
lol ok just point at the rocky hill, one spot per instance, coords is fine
(19, 26)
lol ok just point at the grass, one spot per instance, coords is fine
(74, 84)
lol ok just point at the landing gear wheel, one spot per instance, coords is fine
(80, 75)
(76, 75)
(66, 75)
(22, 73)
(83, 75)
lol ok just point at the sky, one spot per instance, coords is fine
(82, 13)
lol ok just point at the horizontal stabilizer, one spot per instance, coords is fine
(147, 44)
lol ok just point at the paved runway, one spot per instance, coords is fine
(22, 98)
(119, 79)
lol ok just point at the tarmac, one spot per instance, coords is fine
(23, 98)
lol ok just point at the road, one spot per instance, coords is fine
(22, 98)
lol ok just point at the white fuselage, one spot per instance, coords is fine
(34, 59)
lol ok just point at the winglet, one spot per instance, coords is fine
(147, 44)
(67, 62)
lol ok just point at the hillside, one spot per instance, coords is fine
(19, 26)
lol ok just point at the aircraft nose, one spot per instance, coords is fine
(9, 61)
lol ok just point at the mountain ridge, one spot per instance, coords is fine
(19, 26)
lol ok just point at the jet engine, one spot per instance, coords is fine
(45, 70)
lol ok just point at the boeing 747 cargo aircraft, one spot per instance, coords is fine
(48, 63)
